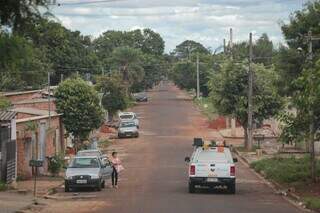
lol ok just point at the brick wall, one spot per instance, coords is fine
(24, 146)
(14, 97)
(38, 105)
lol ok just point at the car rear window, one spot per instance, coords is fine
(210, 156)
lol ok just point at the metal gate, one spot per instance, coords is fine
(11, 161)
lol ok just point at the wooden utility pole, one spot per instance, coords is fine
(249, 130)
(49, 101)
(311, 114)
(198, 78)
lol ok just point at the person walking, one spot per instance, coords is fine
(117, 167)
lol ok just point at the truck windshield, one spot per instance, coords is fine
(124, 117)
(128, 124)
(84, 163)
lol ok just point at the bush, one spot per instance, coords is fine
(3, 186)
(285, 170)
(55, 164)
(312, 202)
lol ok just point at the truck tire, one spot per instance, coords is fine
(66, 187)
(103, 185)
(232, 188)
(192, 188)
(99, 186)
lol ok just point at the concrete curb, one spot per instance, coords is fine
(290, 197)
(71, 197)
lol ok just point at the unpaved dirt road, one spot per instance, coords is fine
(155, 178)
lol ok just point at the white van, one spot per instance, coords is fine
(211, 165)
(129, 116)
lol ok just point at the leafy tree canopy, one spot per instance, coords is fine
(80, 105)
(188, 47)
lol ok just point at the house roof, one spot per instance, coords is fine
(6, 116)
(32, 111)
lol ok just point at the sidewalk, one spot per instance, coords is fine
(15, 200)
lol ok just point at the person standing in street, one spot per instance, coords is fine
(117, 167)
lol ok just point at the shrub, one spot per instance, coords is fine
(55, 164)
(3, 186)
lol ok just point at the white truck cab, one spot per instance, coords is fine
(211, 165)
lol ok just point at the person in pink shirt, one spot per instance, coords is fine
(117, 167)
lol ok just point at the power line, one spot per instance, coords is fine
(54, 2)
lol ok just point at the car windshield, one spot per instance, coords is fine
(127, 124)
(84, 163)
(126, 116)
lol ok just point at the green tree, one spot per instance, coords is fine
(80, 105)
(114, 96)
(152, 43)
(21, 64)
(229, 92)
(19, 13)
(4, 103)
(188, 47)
(128, 61)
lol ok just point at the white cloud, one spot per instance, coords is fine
(206, 21)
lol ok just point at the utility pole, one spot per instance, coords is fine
(311, 114)
(49, 100)
(250, 93)
(224, 46)
(198, 80)
(231, 42)
(61, 78)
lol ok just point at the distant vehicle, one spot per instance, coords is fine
(211, 165)
(129, 116)
(87, 171)
(128, 129)
(141, 97)
(93, 152)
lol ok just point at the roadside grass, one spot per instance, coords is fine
(312, 202)
(243, 149)
(285, 170)
(105, 143)
(206, 107)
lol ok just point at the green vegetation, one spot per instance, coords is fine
(80, 105)
(312, 202)
(206, 107)
(285, 170)
(4, 103)
(3, 186)
(55, 164)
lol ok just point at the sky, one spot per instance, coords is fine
(204, 21)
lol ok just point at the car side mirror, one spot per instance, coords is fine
(235, 160)
(187, 159)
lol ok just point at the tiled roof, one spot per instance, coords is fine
(7, 115)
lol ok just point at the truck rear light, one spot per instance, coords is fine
(192, 170)
(232, 171)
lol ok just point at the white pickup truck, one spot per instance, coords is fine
(211, 165)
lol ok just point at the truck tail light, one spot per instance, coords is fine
(232, 171)
(192, 170)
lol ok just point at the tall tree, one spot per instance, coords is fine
(19, 13)
(188, 47)
(80, 107)
(229, 92)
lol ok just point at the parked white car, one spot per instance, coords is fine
(128, 129)
(129, 116)
(211, 165)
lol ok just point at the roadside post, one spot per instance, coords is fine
(259, 138)
(35, 164)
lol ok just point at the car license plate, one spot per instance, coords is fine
(82, 181)
(212, 179)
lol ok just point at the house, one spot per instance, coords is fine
(8, 148)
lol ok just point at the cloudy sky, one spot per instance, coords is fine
(205, 21)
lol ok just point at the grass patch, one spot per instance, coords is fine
(243, 149)
(312, 202)
(105, 143)
(206, 107)
(3, 186)
(285, 170)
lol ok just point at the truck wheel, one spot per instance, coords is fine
(66, 188)
(99, 186)
(103, 185)
(191, 187)
(232, 188)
